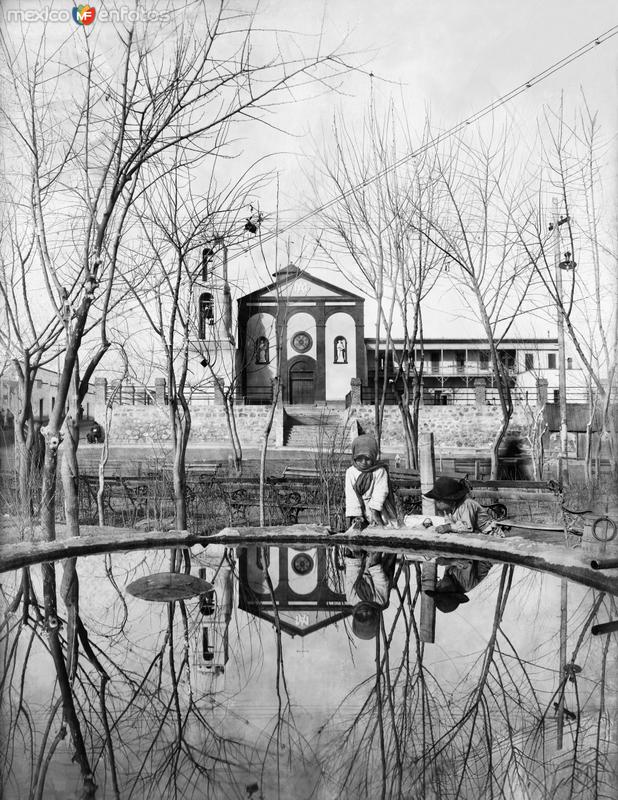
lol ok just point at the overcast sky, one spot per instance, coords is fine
(446, 57)
(451, 59)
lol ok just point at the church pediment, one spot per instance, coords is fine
(300, 286)
(299, 289)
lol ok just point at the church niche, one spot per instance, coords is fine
(262, 350)
(340, 350)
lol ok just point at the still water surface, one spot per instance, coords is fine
(271, 687)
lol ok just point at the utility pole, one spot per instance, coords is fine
(564, 470)
(562, 399)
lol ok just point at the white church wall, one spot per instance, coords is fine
(260, 324)
(338, 376)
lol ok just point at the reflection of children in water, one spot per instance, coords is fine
(462, 514)
(368, 581)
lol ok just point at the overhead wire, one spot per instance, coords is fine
(472, 118)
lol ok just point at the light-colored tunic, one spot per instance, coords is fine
(374, 497)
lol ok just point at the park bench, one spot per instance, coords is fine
(300, 473)
(405, 478)
(399, 476)
(209, 468)
(476, 468)
(121, 495)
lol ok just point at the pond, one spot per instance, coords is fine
(270, 683)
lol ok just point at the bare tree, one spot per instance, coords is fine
(580, 249)
(187, 90)
(187, 243)
(373, 227)
(176, 85)
(471, 223)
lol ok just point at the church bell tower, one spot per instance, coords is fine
(213, 302)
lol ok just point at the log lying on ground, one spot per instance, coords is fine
(536, 550)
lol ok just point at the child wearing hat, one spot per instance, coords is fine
(367, 487)
(461, 512)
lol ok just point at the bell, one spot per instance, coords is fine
(567, 263)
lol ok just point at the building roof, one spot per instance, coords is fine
(458, 343)
(291, 275)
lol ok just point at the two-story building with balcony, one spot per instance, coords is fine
(311, 334)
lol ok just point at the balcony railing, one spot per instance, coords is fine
(467, 369)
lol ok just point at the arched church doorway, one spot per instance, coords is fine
(301, 387)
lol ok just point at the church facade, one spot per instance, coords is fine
(306, 330)
(311, 333)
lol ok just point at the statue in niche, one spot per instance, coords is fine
(262, 351)
(341, 350)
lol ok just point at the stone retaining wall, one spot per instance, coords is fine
(455, 428)
(151, 425)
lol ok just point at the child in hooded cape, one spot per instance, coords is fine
(368, 496)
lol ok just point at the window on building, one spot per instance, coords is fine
(569, 363)
(460, 360)
(207, 317)
(528, 361)
(207, 650)
(556, 396)
(507, 359)
(262, 350)
(340, 355)
(435, 362)
(484, 359)
(207, 254)
(551, 361)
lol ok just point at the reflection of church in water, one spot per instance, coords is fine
(303, 594)
(306, 587)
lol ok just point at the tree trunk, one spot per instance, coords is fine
(24, 458)
(68, 704)
(180, 479)
(26, 453)
(264, 450)
(48, 491)
(230, 418)
(69, 472)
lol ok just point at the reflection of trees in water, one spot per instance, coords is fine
(286, 746)
(490, 734)
(147, 729)
(136, 724)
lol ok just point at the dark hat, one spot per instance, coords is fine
(365, 620)
(447, 601)
(448, 489)
(448, 594)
